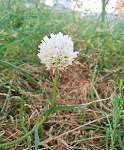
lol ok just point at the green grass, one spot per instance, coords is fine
(21, 31)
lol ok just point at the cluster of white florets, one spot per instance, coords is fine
(57, 52)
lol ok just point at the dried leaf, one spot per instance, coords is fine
(120, 8)
(99, 30)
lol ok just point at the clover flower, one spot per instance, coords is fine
(56, 52)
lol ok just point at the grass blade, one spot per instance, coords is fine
(107, 136)
(58, 108)
(36, 137)
(120, 141)
(22, 124)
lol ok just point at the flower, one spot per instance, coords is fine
(57, 51)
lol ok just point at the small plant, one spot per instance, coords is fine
(117, 107)
(56, 53)
(25, 83)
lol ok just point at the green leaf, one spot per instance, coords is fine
(17, 41)
(12, 66)
(36, 137)
(120, 141)
(58, 108)
(27, 75)
(113, 82)
(92, 96)
(22, 124)
(23, 61)
(117, 49)
(11, 119)
(15, 97)
(107, 135)
(0, 140)
(44, 113)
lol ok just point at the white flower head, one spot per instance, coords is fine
(57, 52)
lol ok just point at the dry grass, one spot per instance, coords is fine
(82, 128)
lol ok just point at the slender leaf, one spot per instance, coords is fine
(22, 124)
(36, 137)
(17, 41)
(15, 97)
(58, 108)
(120, 141)
(107, 136)
(12, 66)
(21, 60)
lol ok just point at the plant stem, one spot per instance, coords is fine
(42, 121)
(54, 90)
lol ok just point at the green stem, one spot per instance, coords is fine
(42, 121)
(54, 90)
